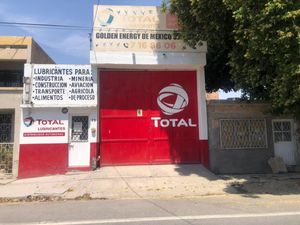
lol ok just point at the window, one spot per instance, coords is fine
(80, 126)
(282, 131)
(243, 133)
(11, 78)
(14, 46)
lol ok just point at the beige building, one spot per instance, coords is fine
(212, 96)
(14, 53)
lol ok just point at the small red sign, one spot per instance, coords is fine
(43, 134)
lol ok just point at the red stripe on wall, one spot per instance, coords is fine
(42, 159)
(204, 153)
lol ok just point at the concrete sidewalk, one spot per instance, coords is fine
(124, 182)
(147, 182)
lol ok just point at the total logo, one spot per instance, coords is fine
(106, 17)
(182, 99)
(170, 108)
(28, 121)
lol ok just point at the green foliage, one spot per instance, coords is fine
(199, 22)
(256, 43)
(265, 58)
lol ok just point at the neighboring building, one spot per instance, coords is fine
(14, 53)
(244, 136)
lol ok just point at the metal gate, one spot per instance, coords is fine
(148, 117)
(6, 142)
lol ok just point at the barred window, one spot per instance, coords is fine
(6, 157)
(6, 145)
(80, 126)
(282, 131)
(243, 133)
(11, 78)
(6, 127)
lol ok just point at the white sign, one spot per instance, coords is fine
(136, 29)
(43, 126)
(65, 85)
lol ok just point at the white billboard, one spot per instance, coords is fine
(136, 29)
(44, 126)
(60, 85)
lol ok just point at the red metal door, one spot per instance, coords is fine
(148, 117)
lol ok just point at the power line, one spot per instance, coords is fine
(45, 25)
(75, 27)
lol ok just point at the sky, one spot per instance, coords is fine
(64, 46)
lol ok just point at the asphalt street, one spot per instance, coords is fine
(212, 210)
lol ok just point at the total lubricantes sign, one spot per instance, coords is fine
(135, 29)
(61, 85)
(40, 126)
(44, 127)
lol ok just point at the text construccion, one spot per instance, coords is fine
(62, 85)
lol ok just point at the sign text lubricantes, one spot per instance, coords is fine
(63, 85)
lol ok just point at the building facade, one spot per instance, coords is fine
(59, 120)
(152, 106)
(14, 53)
(244, 136)
(141, 101)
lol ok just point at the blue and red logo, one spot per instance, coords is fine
(28, 121)
(106, 17)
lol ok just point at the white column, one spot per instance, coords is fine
(201, 98)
